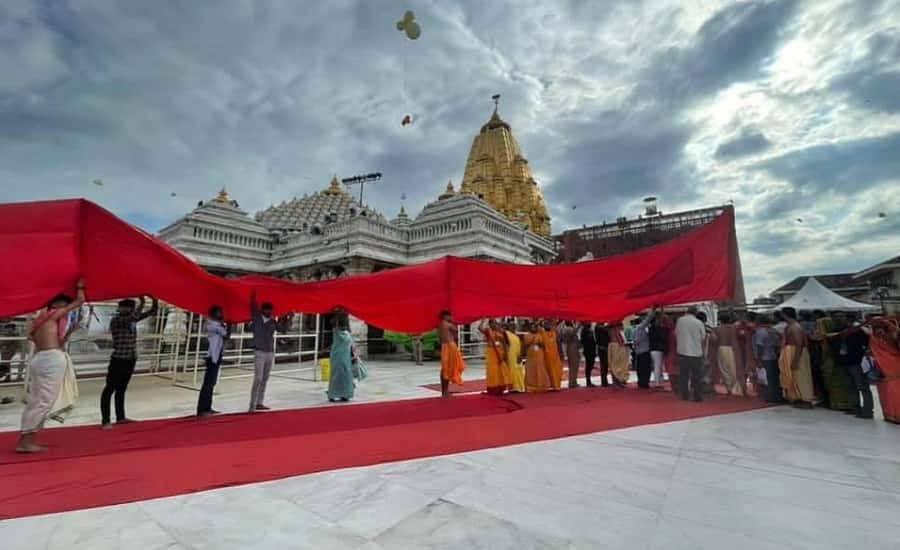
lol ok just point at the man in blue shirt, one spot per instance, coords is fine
(643, 360)
(765, 349)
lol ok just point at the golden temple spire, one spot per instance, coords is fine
(223, 195)
(334, 188)
(498, 172)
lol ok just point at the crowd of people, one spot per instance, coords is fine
(812, 359)
(815, 358)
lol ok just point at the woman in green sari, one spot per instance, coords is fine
(835, 382)
(341, 385)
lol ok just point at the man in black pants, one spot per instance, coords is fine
(643, 361)
(849, 348)
(123, 328)
(589, 349)
(217, 334)
(601, 336)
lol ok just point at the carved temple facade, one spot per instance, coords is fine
(498, 215)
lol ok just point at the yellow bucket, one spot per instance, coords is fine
(325, 365)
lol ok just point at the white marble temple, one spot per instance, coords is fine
(763, 480)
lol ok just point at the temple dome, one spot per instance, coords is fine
(331, 205)
(497, 171)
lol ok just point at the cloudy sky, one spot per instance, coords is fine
(789, 108)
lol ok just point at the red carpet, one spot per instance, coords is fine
(87, 467)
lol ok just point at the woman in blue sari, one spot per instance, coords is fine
(341, 384)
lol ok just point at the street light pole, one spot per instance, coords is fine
(362, 180)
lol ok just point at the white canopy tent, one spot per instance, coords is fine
(815, 295)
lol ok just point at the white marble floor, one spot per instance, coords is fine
(769, 479)
(156, 397)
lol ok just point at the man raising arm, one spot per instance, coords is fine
(48, 365)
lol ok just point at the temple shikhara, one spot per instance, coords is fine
(497, 214)
(498, 172)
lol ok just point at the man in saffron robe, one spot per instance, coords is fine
(452, 365)
(552, 357)
(793, 365)
(618, 356)
(537, 374)
(47, 370)
(498, 376)
(513, 354)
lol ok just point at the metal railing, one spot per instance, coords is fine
(170, 344)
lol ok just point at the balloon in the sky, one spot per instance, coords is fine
(408, 24)
(98, 183)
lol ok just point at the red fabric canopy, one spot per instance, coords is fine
(46, 246)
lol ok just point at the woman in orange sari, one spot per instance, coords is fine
(537, 375)
(551, 353)
(498, 378)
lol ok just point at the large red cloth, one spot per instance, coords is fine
(46, 246)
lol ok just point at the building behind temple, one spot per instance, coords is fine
(629, 235)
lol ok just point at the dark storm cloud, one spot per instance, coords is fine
(846, 167)
(775, 238)
(729, 47)
(874, 82)
(611, 162)
(749, 142)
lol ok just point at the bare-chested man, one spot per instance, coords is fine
(48, 366)
(793, 365)
(452, 365)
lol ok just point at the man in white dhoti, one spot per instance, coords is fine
(47, 370)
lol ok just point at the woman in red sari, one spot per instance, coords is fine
(885, 346)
